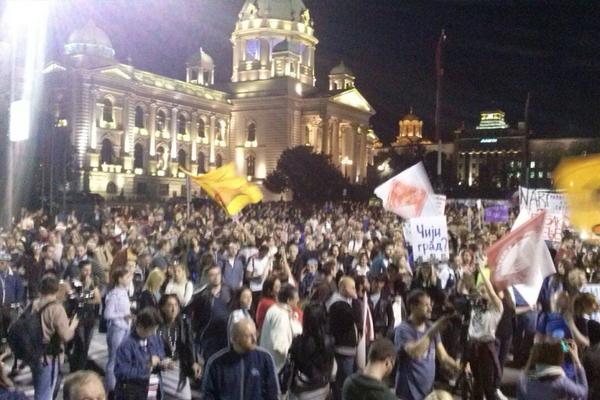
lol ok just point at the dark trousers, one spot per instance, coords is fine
(345, 368)
(503, 346)
(525, 325)
(485, 367)
(81, 344)
(135, 389)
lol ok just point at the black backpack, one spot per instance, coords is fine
(26, 337)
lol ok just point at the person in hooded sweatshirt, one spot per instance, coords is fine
(368, 384)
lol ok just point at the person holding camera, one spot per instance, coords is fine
(83, 301)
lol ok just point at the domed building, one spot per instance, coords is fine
(131, 130)
(410, 131)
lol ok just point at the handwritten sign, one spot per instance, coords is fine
(495, 214)
(555, 205)
(429, 237)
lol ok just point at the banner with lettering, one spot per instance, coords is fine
(532, 201)
(495, 214)
(429, 237)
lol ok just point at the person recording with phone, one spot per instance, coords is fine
(83, 300)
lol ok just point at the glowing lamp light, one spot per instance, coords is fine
(20, 120)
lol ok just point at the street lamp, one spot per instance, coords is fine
(345, 162)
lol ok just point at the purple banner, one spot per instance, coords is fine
(495, 214)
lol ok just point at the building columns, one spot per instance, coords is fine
(194, 135)
(335, 125)
(174, 133)
(212, 155)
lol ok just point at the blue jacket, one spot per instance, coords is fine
(553, 389)
(11, 288)
(230, 375)
(233, 275)
(133, 361)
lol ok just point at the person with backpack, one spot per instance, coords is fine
(47, 328)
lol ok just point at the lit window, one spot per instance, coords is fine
(532, 164)
(250, 162)
(540, 174)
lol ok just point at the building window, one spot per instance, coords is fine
(219, 161)
(532, 164)
(252, 132)
(181, 124)
(540, 174)
(161, 158)
(201, 163)
(182, 158)
(141, 188)
(106, 153)
(139, 117)
(163, 189)
(201, 129)
(138, 156)
(107, 112)
(250, 163)
(161, 120)
(111, 188)
(252, 49)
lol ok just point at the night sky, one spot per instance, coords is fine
(496, 51)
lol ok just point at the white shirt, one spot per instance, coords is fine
(183, 291)
(256, 267)
(483, 324)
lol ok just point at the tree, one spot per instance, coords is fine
(310, 176)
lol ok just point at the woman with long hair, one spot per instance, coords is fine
(271, 287)
(180, 285)
(544, 378)
(150, 295)
(118, 315)
(240, 308)
(313, 357)
(176, 336)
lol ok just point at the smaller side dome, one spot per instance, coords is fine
(341, 69)
(411, 116)
(201, 59)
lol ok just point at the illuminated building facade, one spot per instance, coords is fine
(131, 130)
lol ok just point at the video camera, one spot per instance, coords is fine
(79, 300)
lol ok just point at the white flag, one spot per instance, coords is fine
(522, 259)
(409, 194)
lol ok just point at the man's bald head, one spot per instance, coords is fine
(244, 336)
(347, 287)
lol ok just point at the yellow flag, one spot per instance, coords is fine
(231, 191)
(579, 178)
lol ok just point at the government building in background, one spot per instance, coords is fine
(131, 130)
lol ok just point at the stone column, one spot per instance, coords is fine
(324, 126)
(212, 154)
(173, 132)
(194, 135)
(335, 153)
(94, 127)
(152, 128)
(364, 130)
(354, 149)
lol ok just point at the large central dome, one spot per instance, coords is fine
(289, 10)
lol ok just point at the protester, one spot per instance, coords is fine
(150, 295)
(243, 371)
(370, 383)
(544, 379)
(180, 285)
(270, 289)
(240, 308)
(83, 385)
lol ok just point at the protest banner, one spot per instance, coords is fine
(408, 194)
(554, 204)
(495, 214)
(440, 204)
(522, 258)
(429, 237)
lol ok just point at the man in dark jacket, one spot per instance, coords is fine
(241, 372)
(369, 383)
(345, 323)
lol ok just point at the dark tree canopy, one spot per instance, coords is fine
(310, 176)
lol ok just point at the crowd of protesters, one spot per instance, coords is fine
(282, 301)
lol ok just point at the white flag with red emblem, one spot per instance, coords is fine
(409, 194)
(521, 258)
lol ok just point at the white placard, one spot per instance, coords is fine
(429, 237)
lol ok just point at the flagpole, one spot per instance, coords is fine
(439, 72)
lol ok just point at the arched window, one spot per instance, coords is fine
(201, 129)
(201, 163)
(107, 112)
(252, 132)
(219, 133)
(139, 117)
(111, 188)
(182, 158)
(161, 120)
(219, 161)
(181, 124)
(106, 153)
(250, 163)
(161, 158)
(138, 156)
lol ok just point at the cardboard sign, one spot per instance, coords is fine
(534, 200)
(429, 237)
(495, 214)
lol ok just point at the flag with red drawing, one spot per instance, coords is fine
(521, 258)
(409, 194)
